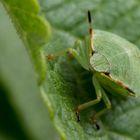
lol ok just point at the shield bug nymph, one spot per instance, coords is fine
(113, 61)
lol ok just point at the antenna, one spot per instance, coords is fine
(90, 32)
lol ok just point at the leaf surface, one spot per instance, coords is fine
(23, 115)
(69, 85)
(33, 29)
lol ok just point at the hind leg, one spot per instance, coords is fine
(93, 102)
(104, 110)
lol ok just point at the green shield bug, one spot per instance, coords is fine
(113, 62)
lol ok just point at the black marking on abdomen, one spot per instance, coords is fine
(130, 90)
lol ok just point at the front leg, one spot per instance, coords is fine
(68, 51)
(71, 52)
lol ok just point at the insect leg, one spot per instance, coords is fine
(93, 102)
(70, 52)
(107, 103)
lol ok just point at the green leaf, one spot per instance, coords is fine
(33, 29)
(67, 84)
(23, 116)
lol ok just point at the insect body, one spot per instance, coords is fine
(114, 63)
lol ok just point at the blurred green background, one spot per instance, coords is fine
(22, 113)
